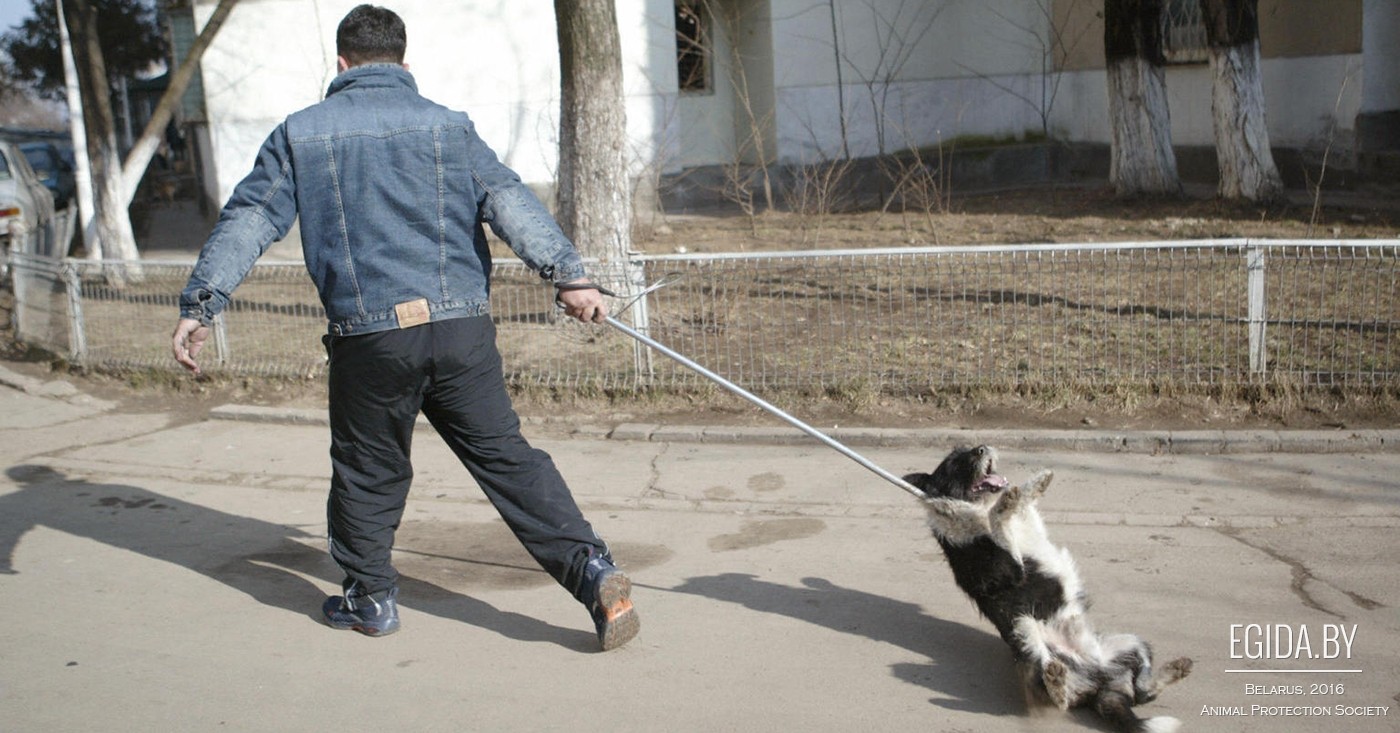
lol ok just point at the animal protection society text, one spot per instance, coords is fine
(1288, 646)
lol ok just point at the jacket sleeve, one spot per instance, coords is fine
(518, 217)
(261, 211)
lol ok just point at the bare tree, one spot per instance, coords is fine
(840, 82)
(129, 36)
(594, 191)
(1142, 161)
(898, 39)
(139, 157)
(1050, 44)
(751, 144)
(1246, 163)
(1331, 138)
(112, 224)
(114, 182)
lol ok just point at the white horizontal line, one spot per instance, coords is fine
(1294, 671)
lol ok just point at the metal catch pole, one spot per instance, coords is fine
(771, 409)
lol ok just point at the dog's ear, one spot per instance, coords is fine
(917, 479)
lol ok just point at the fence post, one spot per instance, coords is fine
(220, 339)
(637, 282)
(1258, 354)
(77, 334)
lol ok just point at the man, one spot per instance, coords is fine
(392, 191)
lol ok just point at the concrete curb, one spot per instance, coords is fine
(53, 389)
(1148, 442)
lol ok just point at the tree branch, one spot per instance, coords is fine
(134, 167)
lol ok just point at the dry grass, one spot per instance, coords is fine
(1025, 366)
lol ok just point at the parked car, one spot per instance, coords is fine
(48, 160)
(26, 206)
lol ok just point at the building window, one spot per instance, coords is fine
(1184, 32)
(692, 46)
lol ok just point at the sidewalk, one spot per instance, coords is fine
(160, 575)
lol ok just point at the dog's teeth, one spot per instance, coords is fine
(993, 481)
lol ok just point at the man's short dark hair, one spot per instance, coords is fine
(370, 34)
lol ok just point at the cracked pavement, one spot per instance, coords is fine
(161, 573)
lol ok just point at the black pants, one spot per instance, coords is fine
(451, 371)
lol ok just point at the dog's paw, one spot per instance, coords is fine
(1039, 483)
(1175, 670)
(1152, 684)
(1009, 501)
(1055, 677)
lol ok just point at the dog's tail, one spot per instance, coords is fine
(1117, 708)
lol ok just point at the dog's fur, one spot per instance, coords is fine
(1001, 556)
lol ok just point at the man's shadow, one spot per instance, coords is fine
(969, 668)
(267, 561)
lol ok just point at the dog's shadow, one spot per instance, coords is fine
(278, 565)
(969, 669)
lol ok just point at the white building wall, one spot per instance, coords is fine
(1300, 94)
(1380, 43)
(704, 121)
(912, 74)
(267, 61)
(1313, 100)
(978, 69)
(647, 32)
(497, 60)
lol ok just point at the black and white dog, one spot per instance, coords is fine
(1030, 590)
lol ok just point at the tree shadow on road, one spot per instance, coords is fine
(275, 564)
(969, 669)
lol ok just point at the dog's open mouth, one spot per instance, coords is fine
(986, 480)
(990, 483)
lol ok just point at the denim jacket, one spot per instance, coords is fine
(392, 191)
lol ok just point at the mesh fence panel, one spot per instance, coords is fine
(909, 320)
(1333, 313)
(900, 321)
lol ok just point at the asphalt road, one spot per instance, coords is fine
(165, 575)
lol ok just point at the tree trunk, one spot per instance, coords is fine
(1246, 163)
(1142, 159)
(139, 158)
(111, 221)
(82, 171)
(594, 191)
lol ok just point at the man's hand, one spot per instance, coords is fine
(585, 304)
(188, 341)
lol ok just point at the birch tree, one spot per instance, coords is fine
(110, 220)
(1246, 163)
(1142, 159)
(121, 39)
(594, 191)
(128, 33)
(752, 143)
(139, 157)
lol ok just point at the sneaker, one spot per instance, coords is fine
(606, 595)
(364, 613)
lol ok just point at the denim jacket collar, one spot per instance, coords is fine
(372, 75)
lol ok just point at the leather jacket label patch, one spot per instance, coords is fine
(412, 313)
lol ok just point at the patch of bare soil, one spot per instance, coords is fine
(1041, 215)
(1026, 216)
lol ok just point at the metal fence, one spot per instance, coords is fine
(899, 321)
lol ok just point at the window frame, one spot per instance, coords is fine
(694, 52)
